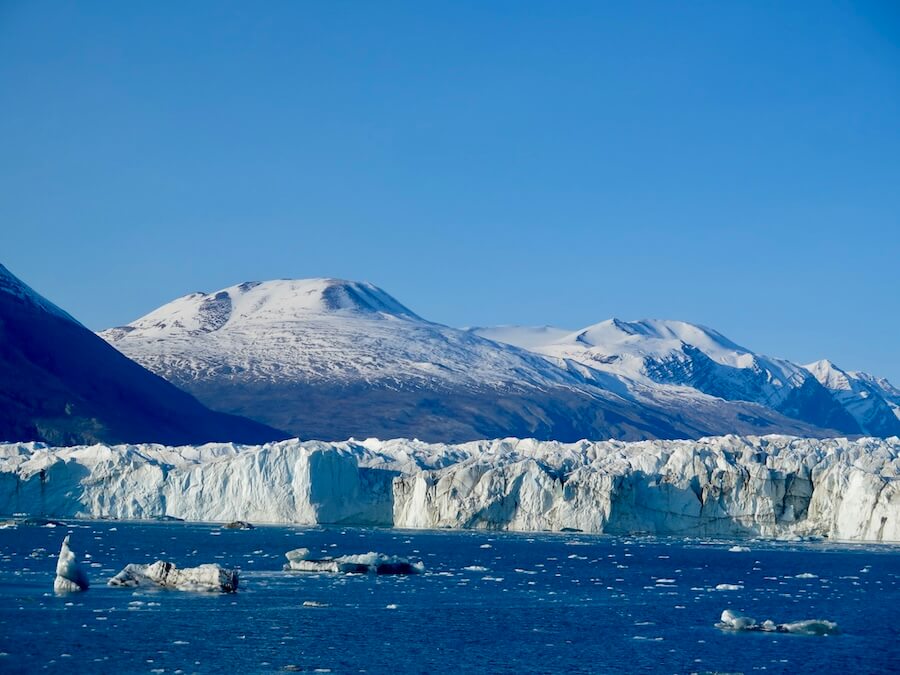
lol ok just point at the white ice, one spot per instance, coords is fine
(732, 620)
(209, 577)
(70, 576)
(770, 486)
(301, 560)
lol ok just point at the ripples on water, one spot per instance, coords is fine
(488, 602)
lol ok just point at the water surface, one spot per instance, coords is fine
(489, 602)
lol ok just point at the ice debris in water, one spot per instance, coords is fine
(238, 525)
(732, 620)
(70, 576)
(209, 577)
(739, 549)
(301, 560)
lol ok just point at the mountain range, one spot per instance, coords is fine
(331, 359)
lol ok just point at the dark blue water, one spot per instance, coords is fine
(543, 603)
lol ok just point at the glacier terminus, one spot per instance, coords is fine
(770, 486)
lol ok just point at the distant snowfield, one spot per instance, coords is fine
(771, 486)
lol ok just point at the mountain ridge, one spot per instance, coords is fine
(329, 359)
(61, 383)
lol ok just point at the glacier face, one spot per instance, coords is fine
(770, 486)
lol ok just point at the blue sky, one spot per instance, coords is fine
(733, 164)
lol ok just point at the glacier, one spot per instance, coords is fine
(730, 486)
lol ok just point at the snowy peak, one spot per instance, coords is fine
(12, 285)
(256, 303)
(659, 354)
(647, 337)
(655, 337)
(873, 401)
(835, 378)
(829, 375)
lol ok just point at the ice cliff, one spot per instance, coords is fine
(770, 486)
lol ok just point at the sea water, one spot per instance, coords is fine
(488, 602)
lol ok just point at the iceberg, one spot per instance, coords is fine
(732, 620)
(301, 560)
(778, 487)
(209, 577)
(238, 525)
(70, 576)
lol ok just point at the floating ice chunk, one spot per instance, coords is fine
(739, 549)
(238, 525)
(70, 576)
(732, 620)
(209, 577)
(807, 575)
(735, 620)
(729, 587)
(300, 560)
(475, 568)
(297, 554)
(810, 627)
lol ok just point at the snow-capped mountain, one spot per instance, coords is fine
(650, 357)
(327, 358)
(330, 359)
(872, 401)
(60, 383)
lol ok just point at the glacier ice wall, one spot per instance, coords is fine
(283, 482)
(771, 486)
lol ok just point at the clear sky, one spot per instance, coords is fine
(735, 164)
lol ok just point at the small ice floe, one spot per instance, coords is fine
(731, 620)
(807, 575)
(313, 603)
(70, 576)
(739, 549)
(475, 568)
(238, 525)
(35, 521)
(209, 577)
(301, 560)
(729, 587)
